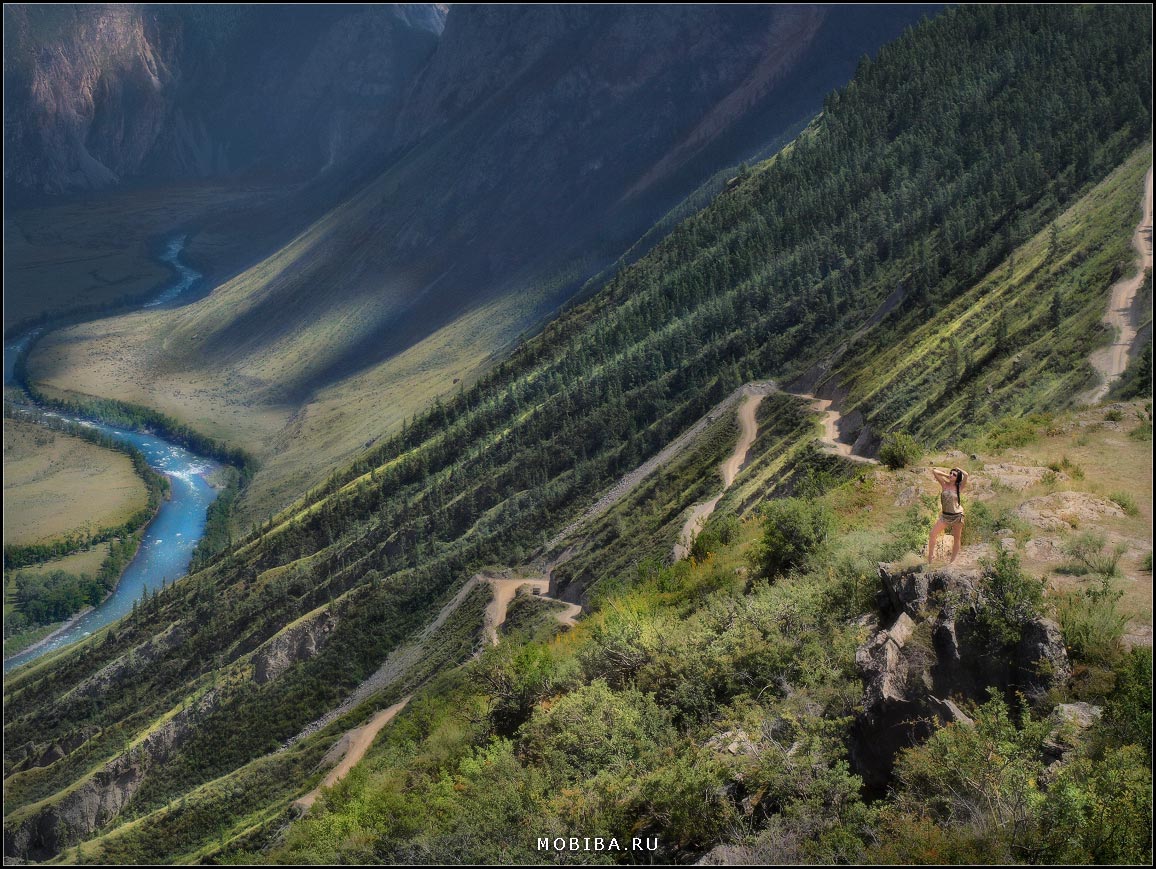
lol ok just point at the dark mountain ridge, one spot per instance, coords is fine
(98, 95)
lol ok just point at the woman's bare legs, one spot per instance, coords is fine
(935, 532)
(957, 533)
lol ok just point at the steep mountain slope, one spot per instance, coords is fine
(98, 95)
(773, 277)
(707, 705)
(536, 146)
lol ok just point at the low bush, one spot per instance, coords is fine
(794, 530)
(1011, 598)
(899, 450)
(1093, 626)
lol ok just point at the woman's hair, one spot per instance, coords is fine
(958, 474)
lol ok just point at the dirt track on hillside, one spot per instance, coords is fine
(352, 748)
(830, 440)
(1111, 361)
(630, 481)
(504, 592)
(748, 430)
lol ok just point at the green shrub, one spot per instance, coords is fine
(978, 776)
(719, 531)
(1013, 433)
(908, 534)
(616, 650)
(1011, 598)
(978, 794)
(899, 450)
(1093, 626)
(1086, 554)
(1128, 712)
(1127, 503)
(1098, 811)
(980, 525)
(1074, 471)
(793, 531)
(595, 729)
(1114, 415)
(516, 678)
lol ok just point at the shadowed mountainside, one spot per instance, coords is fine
(536, 146)
(97, 95)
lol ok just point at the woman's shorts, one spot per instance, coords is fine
(951, 520)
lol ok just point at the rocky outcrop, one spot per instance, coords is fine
(935, 656)
(117, 672)
(298, 642)
(1020, 477)
(43, 830)
(1062, 511)
(1069, 721)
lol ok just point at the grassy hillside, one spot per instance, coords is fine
(56, 485)
(709, 677)
(776, 275)
(705, 704)
(1032, 320)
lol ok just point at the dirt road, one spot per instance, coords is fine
(699, 513)
(627, 483)
(504, 591)
(351, 748)
(830, 440)
(1111, 361)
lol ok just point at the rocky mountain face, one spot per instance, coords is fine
(98, 95)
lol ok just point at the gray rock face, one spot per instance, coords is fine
(98, 94)
(298, 642)
(936, 656)
(101, 797)
(1069, 720)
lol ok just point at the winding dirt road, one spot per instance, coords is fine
(627, 483)
(699, 513)
(348, 751)
(504, 592)
(830, 440)
(1111, 361)
(351, 747)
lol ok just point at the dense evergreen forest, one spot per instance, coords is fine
(957, 146)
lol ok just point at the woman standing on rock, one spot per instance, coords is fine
(951, 485)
